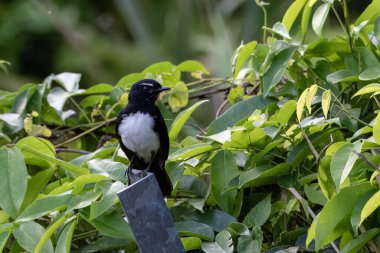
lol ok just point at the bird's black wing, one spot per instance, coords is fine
(158, 164)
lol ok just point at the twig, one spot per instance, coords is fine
(371, 243)
(312, 214)
(309, 143)
(220, 108)
(210, 92)
(69, 150)
(85, 132)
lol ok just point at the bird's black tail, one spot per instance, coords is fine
(164, 182)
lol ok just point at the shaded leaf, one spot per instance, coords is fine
(259, 213)
(195, 229)
(28, 234)
(223, 169)
(13, 180)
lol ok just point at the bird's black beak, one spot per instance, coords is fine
(163, 88)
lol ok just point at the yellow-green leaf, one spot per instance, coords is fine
(310, 95)
(376, 129)
(301, 103)
(370, 88)
(326, 100)
(372, 204)
(292, 13)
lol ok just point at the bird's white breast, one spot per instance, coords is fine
(136, 132)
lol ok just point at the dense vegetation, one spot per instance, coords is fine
(289, 164)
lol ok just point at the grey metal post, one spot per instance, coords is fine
(149, 217)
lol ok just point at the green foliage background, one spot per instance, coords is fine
(289, 163)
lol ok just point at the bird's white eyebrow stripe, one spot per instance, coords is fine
(147, 84)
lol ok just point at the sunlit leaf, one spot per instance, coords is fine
(181, 119)
(310, 95)
(326, 100)
(376, 129)
(292, 13)
(301, 103)
(319, 18)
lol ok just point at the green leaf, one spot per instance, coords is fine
(314, 195)
(13, 180)
(337, 211)
(358, 208)
(195, 229)
(109, 168)
(342, 76)
(128, 80)
(159, 68)
(286, 112)
(42, 145)
(258, 175)
(223, 170)
(325, 180)
(326, 100)
(237, 112)
(301, 103)
(376, 129)
(292, 13)
(36, 184)
(324, 48)
(259, 214)
(237, 229)
(319, 18)
(191, 151)
(64, 240)
(181, 119)
(372, 204)
(108, 199)
(98, 88)
(242, 56)
(370, 74)
(223, 244)
(369, 12)
(214, 218)
(28, 234)
(246, 244)
(306, 16)
(191, 243)
(343, 162)
(370, 88)
(83, 199)
(377, 29)
(13, 120)
(63, 164)
(3, 239)
(179, 96)
(50, 231)
(276, 69)
(356, 244)
(111, 224)
(192, 66)
(44, 206)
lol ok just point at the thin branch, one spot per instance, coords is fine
(220, 108)
(310, 144)
(312, 214)
(86, 132)
(371, 243)
(69, 150)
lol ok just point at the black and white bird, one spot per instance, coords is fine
(143, 136)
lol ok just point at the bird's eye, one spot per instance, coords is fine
(145, 88)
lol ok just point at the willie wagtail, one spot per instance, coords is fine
(143, 136)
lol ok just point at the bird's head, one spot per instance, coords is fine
(146, 90)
